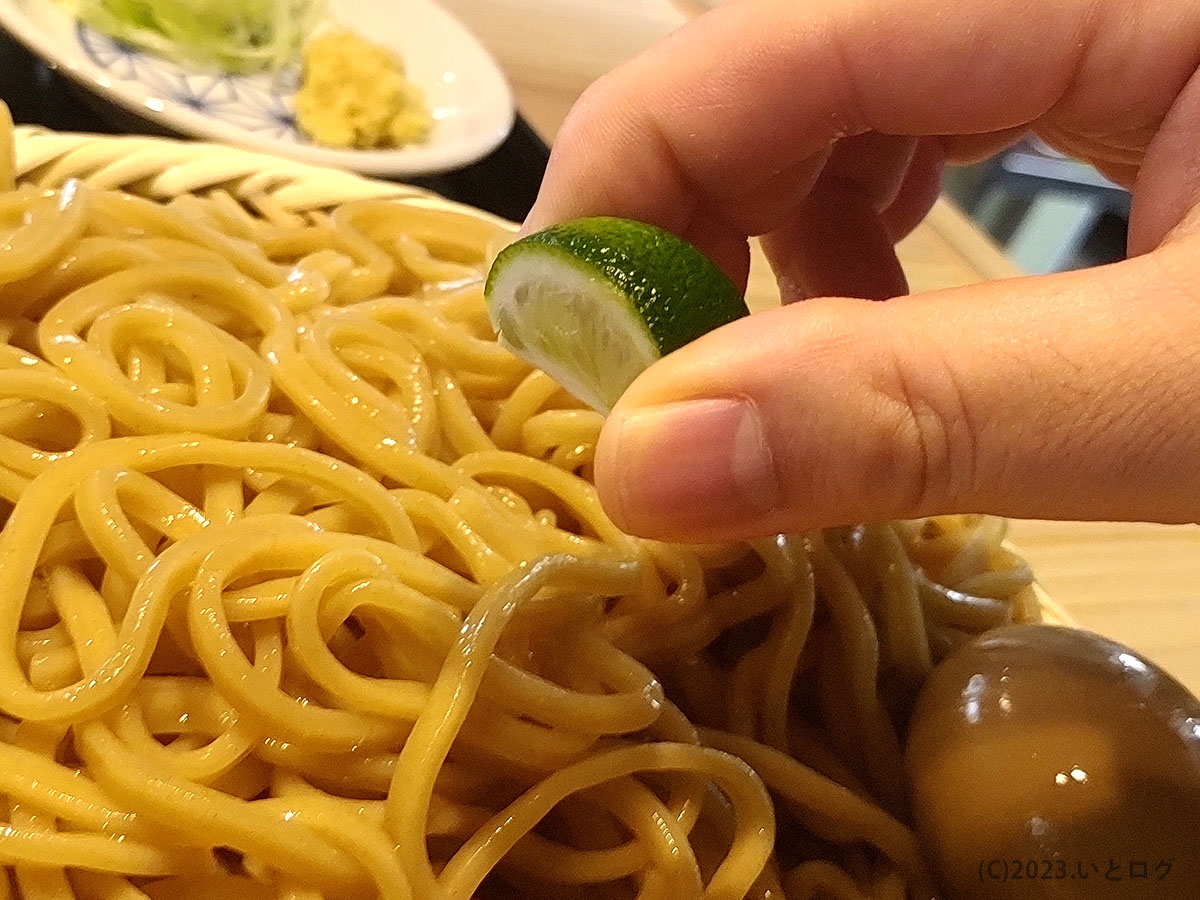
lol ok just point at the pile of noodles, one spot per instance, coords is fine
(305, 593)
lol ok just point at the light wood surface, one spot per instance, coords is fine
(1139, 584)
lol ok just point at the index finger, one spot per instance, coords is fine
(718, 132)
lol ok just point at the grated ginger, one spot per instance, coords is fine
(355, 94)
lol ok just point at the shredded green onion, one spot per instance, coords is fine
(234, 35)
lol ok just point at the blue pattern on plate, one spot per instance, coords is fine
(261, 103)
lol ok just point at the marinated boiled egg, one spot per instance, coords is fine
(1050, 763)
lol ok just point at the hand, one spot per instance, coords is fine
(823, 125)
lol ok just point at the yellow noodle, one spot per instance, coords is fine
(305, 593)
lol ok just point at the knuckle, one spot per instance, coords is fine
(890, 432)
(929, 449)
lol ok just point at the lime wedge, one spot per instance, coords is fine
(593, 302)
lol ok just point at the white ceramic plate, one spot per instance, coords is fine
(469, 98)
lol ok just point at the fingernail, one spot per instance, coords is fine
(682, 468)
(531, 223)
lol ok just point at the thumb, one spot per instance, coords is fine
(1067, 396)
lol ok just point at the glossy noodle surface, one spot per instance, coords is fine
(305, 593)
